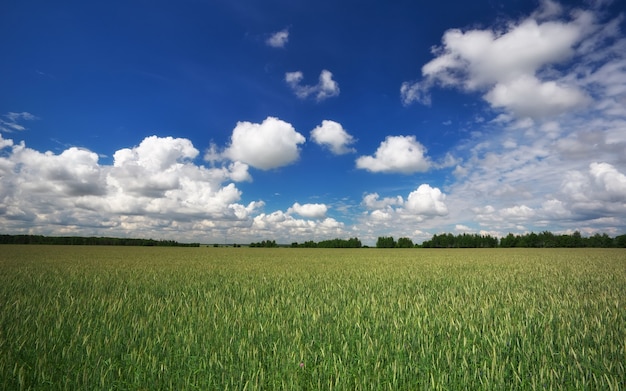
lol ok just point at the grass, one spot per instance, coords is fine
(135, 318)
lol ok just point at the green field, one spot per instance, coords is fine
(104, 318)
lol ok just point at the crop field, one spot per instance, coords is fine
(137, 318)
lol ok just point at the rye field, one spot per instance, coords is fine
(150, 318)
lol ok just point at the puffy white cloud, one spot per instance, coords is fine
(75, 172)
(148, 190)
(312, 211)
(596, 194)
(325, 88)
(270, 144)
(401, 154)
(333, 136)
(507, 64)
(156, 153)
(279, 39)
(427, 201)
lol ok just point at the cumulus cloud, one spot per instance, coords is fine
(279, 39)
(333, 136)
(510, 65)
(150, 188)
(602, 182)
(427, 201)
(270, 144)
(313, 211)
(400, 154)
(75, 172)
(609, 181)
(324, 89)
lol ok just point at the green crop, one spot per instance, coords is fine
(104, 318)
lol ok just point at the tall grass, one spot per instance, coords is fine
(103, 318)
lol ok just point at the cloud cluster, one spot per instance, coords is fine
(153, 185)
(324, 89)
(528, 169)
(399, 217)
(595, 196)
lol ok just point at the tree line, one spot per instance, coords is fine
(90, 241)
(447, 240)
(333, 243)
(544, 239)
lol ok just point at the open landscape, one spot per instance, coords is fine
(100, 318)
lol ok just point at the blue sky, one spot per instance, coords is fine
(241, 121)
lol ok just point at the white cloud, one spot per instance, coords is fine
(609, 181)
(596, 193)
(279, 39)
(312, 211)
(509, 64)
(325, 88)
(5, 142)
(270, 144)
(333, 136)
(156, 153)
(401, 154)
(427, 201)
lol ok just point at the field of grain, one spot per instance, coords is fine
(103, 318)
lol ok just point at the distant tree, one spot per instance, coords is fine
(385, 242)
(405, 243)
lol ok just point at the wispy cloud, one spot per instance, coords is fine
(11, 121)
